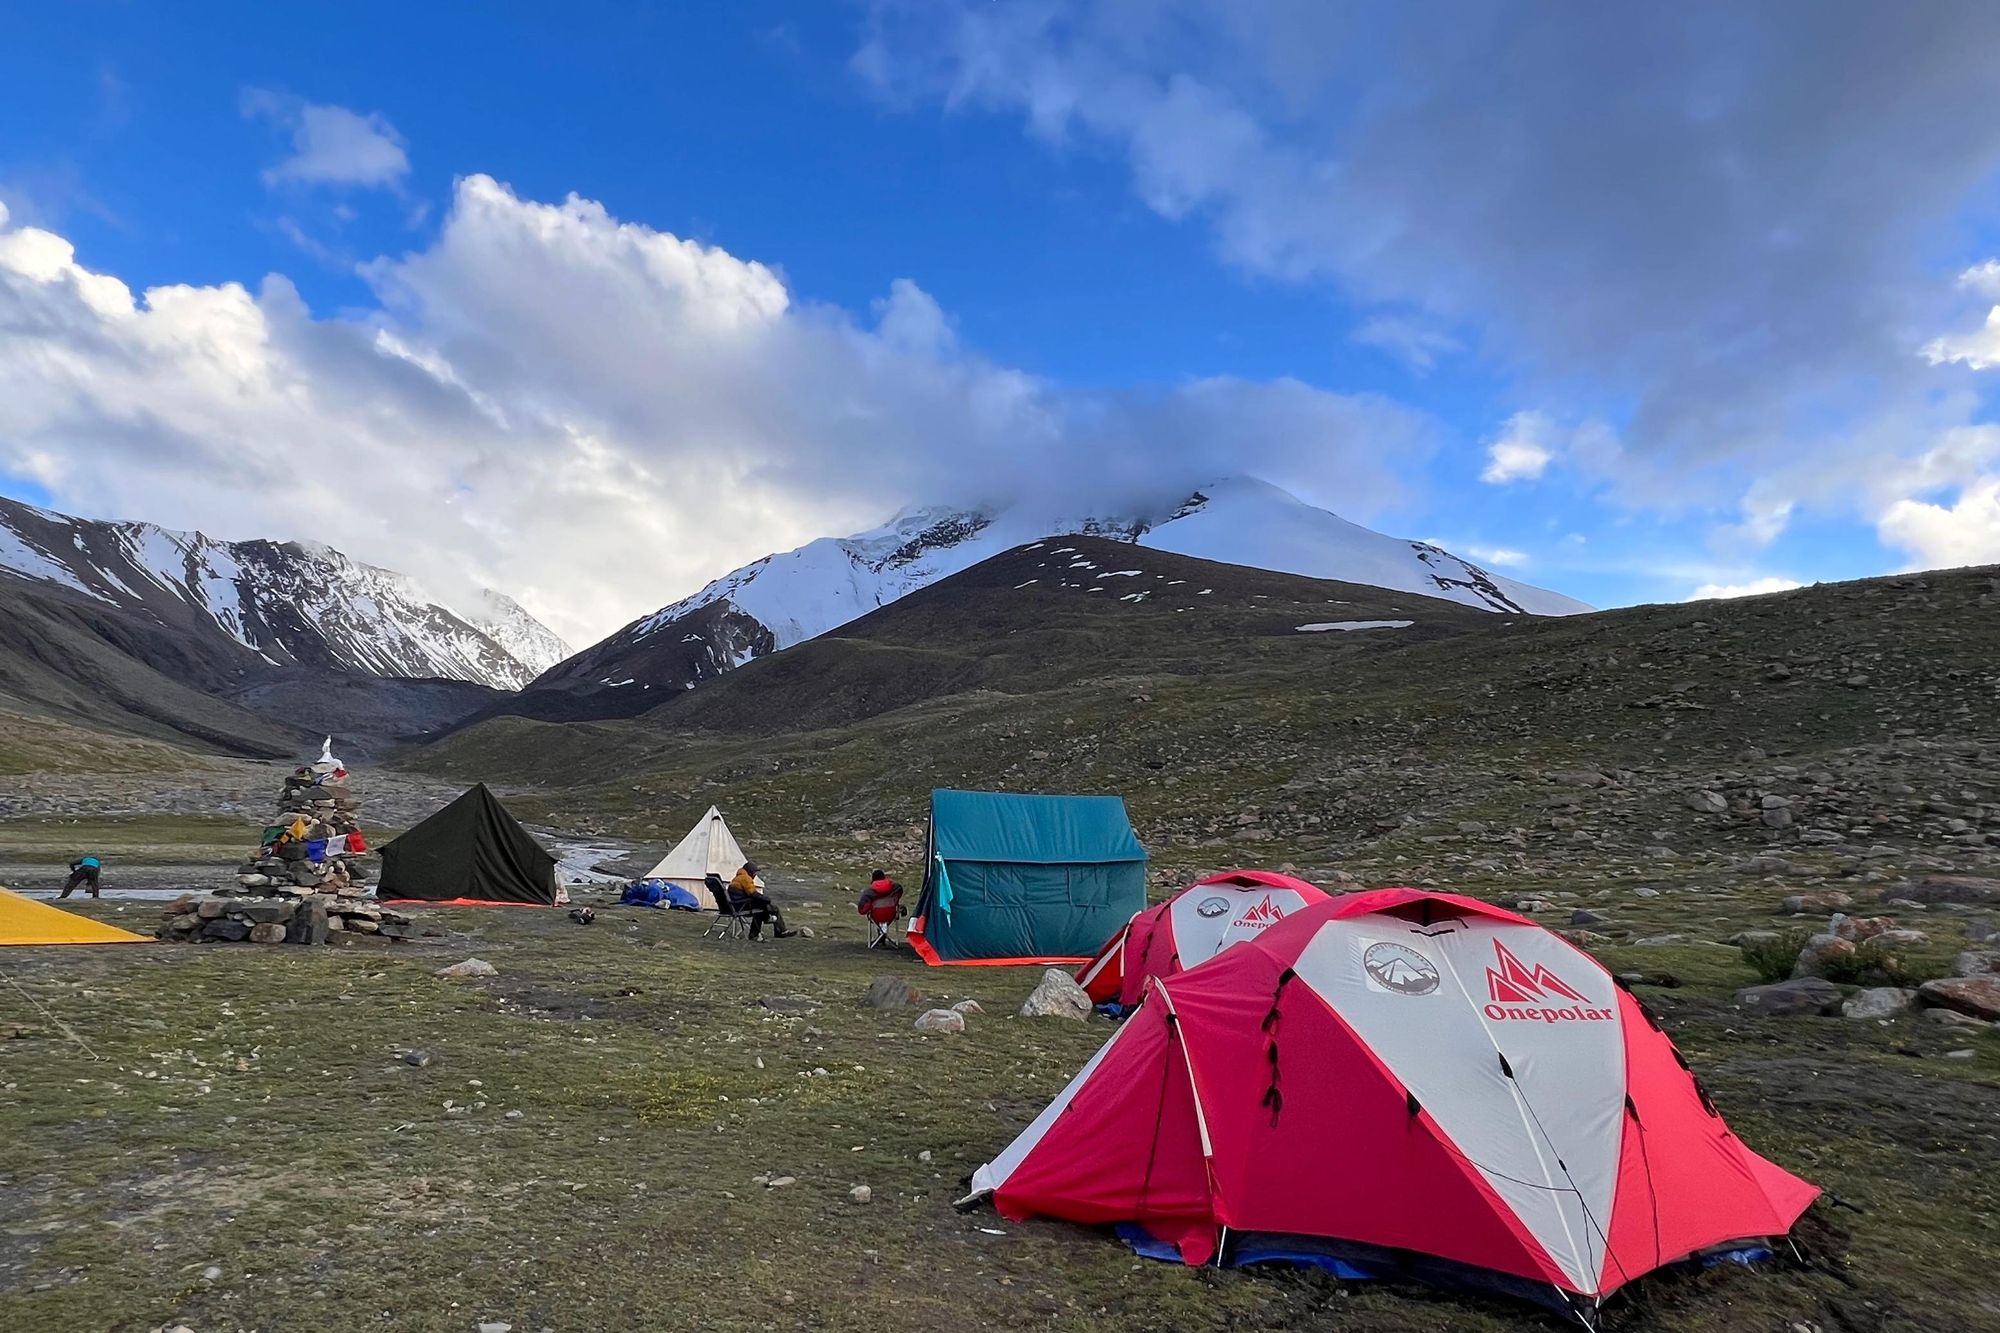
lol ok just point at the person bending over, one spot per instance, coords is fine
(746, 891)
(83, 873)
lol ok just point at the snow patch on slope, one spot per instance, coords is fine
(289, 602)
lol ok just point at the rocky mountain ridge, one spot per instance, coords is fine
(290, 603)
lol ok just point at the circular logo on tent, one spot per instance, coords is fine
(1399, 968)
(1212, 906)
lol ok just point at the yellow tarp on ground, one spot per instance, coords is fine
(25, 921)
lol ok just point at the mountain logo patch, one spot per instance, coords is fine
(1212, 906)
(1399, 969)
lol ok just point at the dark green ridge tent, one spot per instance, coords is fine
(1026, 879)
(470, 852)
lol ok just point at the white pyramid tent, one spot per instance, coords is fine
(708, 849)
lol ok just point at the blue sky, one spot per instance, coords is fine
(1627, 306)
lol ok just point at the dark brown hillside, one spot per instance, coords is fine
(1058, 611)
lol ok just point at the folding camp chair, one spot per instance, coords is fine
(732, 922)
(882, 911)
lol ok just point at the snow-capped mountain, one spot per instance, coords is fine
(787, 598)
(293, 603)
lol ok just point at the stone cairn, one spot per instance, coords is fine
(304, 883)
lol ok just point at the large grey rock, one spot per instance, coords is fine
(226, 930)
(271, 910)
(941, 1020)
(1975, 997)
(268, 932)
(1057, 996)
(1796, 904)
(889, 993)
(471, 967)
(1879, 1002)
(1803, 995)
(1707, 802)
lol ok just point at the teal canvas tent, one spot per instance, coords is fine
(1026, 879)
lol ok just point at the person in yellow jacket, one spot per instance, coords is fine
(747, 893)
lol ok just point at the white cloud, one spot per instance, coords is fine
(1752, 588)
(1979, 349)
(1416, 344)
(1521, 452)
(331, 145)
(1964, 532)
(589, 414)
(1504, 556)
(1983, 278)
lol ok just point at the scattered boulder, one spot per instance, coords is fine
(267, 932)
(1821, 950)
(418, 1058)
(889, 993)
(1707, 802)
(471, 967)
(1976, 963)
(1802, 995)
(940, 1021)
(788, 1004)
(1951, 1018)
(1858, 928)
(861, 1194)
(1056, 996)
(1583, 916)
(1798, 904)
(1879, 1002)
(1975, 997)
(1952, 889)
(969, 1008)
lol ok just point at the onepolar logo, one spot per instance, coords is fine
(1212, 906)
(1401, 969)
(1516, 990)
(1265, 913)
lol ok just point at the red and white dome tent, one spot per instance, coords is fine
(1191, 927)
(1401, 1083)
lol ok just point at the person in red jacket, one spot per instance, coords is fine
(881, 903)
